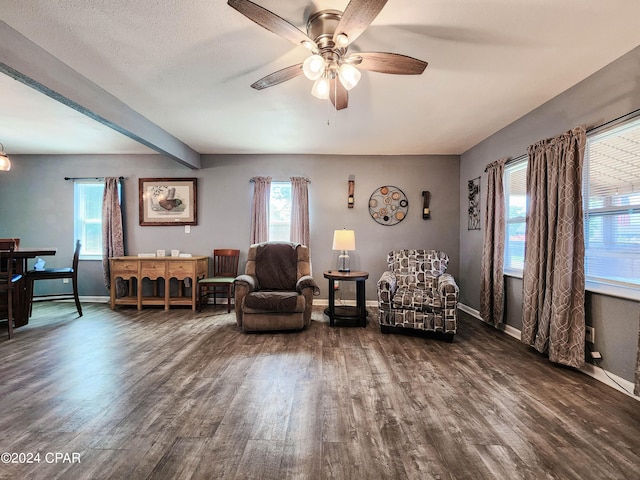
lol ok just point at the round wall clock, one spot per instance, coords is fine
(388, 205)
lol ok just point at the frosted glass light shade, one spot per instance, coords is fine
(321, 88)
(349, 75)
(309, 45)
(313, 67)
(5, 163)
(342, 40)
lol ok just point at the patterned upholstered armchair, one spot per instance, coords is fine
(417, 293)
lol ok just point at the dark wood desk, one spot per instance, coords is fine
(22, 256)
(359, 312)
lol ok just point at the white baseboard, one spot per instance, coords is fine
(324, 302)
(592, 370)
(95, 299)
(508, 329)
(471, 311)
(625, 386)
(88, 299)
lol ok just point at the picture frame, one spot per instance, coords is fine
(474, 204)
(168, 201)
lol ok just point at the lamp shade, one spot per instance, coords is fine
(344, 240)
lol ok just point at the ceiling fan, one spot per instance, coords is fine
(329, 34)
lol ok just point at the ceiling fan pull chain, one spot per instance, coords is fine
(335, 100)
(328, 112)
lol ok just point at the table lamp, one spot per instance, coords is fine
(344, 240)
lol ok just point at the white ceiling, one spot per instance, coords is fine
(188, 66)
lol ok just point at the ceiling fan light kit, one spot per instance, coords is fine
(5, 163)
(349, 75)
(313, 67)
(321, 88)
(329, 34)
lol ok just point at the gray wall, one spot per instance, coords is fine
(608, 94)
(36, 204)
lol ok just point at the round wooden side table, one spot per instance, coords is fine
(347, 312)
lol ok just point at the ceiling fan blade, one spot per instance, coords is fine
(278, 77)
(385, 62)
(357, 17)
(270, 21)
(338, 94)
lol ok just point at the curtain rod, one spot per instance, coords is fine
(91, 178)
(253, 181)
(597, 128)
(514, 160)
(621, 118)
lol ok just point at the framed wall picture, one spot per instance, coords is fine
(474, 204)
(168, 201)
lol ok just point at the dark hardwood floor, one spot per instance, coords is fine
(181, 394)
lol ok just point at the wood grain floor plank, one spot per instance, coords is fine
(302, 460)
(180, 460)
(183, 394)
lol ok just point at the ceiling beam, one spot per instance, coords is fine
(28, 63)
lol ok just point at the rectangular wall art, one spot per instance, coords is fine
(168, 201)
(474, 204)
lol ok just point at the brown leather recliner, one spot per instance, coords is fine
(276, 291)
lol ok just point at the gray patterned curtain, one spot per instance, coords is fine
(299, 211)
(491, 274)
(260, 209)
(112, 232)
(553, 286)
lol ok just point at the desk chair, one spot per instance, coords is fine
(55, 274)
(8, 280)
(225, 271)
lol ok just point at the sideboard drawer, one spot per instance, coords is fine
(126, 268)
(152, 269)
(180, 269)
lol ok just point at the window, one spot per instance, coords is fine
(515, 197)
(280, 211)
(88, 217)
(611, 193)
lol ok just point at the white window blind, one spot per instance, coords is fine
(280, 211)
(611, 187)
(515, 181)
(88, 217)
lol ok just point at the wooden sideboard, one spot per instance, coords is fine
(135, 269)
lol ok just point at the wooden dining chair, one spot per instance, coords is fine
(225, 271)
(8, 280)
(7, 244)
(56, 274)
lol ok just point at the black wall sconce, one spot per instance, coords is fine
(425, 207)
(352, 181)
